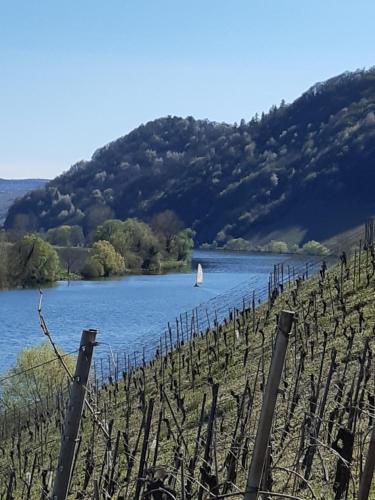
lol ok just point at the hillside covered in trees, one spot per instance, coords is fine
(302, 171)
(10, 189)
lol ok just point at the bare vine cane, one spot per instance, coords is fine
(47, 333)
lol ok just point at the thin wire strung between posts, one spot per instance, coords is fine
(107, 407)
(210, 494)
(286, 319)
(140, 362)
(224, 308)
(17, 374)
(46, 332)
(72, 421)
(209, 311)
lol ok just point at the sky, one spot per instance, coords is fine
(76, 74)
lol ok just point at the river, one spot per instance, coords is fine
(129, 312)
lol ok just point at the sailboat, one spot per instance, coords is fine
(199, 278)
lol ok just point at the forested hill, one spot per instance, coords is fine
(302, 171)
(10, 189)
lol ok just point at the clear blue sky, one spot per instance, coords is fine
(75, 74)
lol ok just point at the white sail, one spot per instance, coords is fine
(199, 280)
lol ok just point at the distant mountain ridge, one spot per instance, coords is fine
(10, 189)
(302, 171)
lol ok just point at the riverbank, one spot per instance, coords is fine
(73, 259)
(310, 248)
(131, 311)
(112, 248)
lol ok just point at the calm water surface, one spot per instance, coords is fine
(130, 312)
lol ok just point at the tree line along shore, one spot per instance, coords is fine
(116, 247)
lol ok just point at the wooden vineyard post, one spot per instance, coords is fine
(207, 448)
(73, 416)
(368, 472)
(268, 407)
(144, 450)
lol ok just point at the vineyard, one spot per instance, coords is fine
(179, 420)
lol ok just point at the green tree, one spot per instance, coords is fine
(238, 244)
(277, 247)
(25, 385)
(92, 269)
(138, 236)
(133, 240)
(313, 247)
(183, 245)
(152, 259)
(138, 245)
(294, 248)
(66, 236)
(109, 230)
(59, 236)
(104, 261)
(33, 261)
